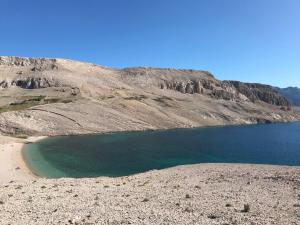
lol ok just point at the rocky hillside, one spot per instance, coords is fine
(291, 93)
(57, 96)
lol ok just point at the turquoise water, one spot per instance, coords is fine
(121, 154)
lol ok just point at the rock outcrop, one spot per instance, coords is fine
(202, 82)
(290, 93)
(228, 90)
(189, 87)
(42, 63)
(30, 83)
(260, 92)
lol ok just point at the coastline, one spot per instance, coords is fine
(209, 193)
(12, 165)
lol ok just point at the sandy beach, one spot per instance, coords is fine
(12, 165)
(191, 194)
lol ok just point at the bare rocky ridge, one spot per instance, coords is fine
(55, 96)
(260, 92)
(291, 93)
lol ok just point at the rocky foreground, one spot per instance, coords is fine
(44, 97)
(197, 194)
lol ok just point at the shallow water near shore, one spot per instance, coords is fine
(126, 153)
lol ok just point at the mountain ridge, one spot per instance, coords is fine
(41, 96)
(291, 93)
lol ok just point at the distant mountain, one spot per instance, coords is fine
(291, 93)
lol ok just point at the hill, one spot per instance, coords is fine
(291, 93)
(42, 96)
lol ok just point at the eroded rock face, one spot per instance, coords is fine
(291, 93)
(228, 90)
(19, 61)
(260, 92)
(33, 83)
(30, 83)
(223, 94)
(189, 87)
(36, 64)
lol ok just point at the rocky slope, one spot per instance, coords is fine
(290, 93)
(56, 96)
(196, 194)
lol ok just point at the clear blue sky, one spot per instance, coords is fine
(248, 40)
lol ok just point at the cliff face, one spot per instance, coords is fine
(260, 92)
(57, 96)
(291, 93)
(202, 82)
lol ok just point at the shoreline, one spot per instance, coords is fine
(12, 164)
(169, 129)
(20, 157)
(209, 193)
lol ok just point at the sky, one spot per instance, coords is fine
(247, 40)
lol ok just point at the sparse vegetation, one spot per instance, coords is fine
(22, 136)
(164, 100)
(106, 97)
(136, 97)
(31, 101)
